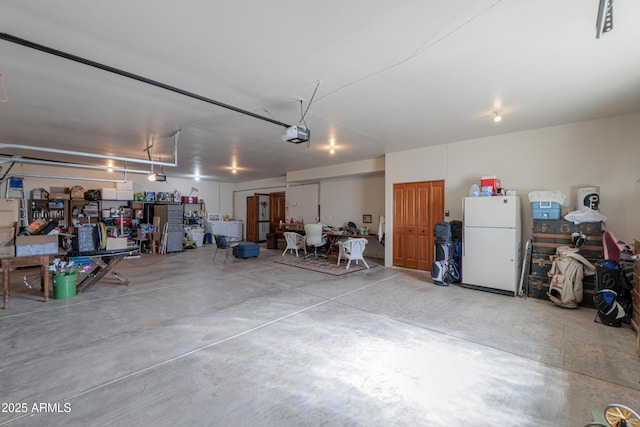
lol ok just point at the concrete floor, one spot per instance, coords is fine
(255, 343)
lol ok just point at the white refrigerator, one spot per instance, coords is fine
(491, 243)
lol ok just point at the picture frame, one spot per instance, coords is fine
(366, 218)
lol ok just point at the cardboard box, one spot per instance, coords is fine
(59, 196)
(77, 193)
(39, 194)
(9, 212)
(124, 185)
(109, 194)
(7, 234)
(37, 245)
(58, 190)
(115, 243)
(8, 251)
(124, 194)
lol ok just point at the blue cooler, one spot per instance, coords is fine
(246, 250)
(546, 210)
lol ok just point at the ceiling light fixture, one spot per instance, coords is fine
(604, 22)
(497, 117)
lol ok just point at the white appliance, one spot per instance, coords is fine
(232, 230)
(491, 243)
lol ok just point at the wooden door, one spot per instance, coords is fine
(258, 211)
(417, 207)
(252, 218)
(430, 209)
(278, 212)
(424, 229)
(399, 214)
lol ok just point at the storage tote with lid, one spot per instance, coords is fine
(546, 204)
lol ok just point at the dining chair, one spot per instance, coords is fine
(352, 249)
(314, 237)
(223, 243)
(295, 242)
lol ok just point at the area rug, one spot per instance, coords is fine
(322, 265)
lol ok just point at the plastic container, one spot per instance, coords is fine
(588, 198)
(64, 287)
(474, 190)
(491, 181)
(545, 210)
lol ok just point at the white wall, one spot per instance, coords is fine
(341, 200)
(602, 153)
(347, 199)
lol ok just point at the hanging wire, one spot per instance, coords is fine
(308, 105)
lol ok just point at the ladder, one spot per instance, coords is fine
(15, 190)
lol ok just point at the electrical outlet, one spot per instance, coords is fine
(446, 213)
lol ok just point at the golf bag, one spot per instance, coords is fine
(613, 294)
(442, 231)
(456, 239)
(444, 270)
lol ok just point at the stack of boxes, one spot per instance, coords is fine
(9, 217)
(12, 245)
(548, 235)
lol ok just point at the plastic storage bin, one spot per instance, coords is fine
(272, 241)
(546, 210)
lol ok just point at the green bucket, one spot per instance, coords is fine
(64, 286)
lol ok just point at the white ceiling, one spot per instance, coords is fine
(393, 75)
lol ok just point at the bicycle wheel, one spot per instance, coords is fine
(615, 414)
